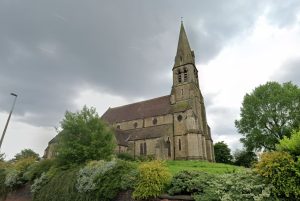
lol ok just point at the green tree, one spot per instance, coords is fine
(244, 158)
(268, 114)
(84, 137)
(27, 153)
(222, 153)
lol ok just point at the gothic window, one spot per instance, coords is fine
(179, 76)
(154, 121)
(141, 149)
(185, 75)
(145, 148)
(169, 147)
(135, 124)
(181, 92)
(179, 118)
(179, 144)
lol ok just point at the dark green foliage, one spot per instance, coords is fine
(125, 156)
(222, 153)
(268, 114)
(27, 153)
(35, 170)
(282, 171)
(84, 137)
(62, 184)
(244, 158)
(3, 188)
(189, 182)
(61, 187)
(121, 177)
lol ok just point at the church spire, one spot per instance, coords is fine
(184, 53)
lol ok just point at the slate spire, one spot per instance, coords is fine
(184, 53)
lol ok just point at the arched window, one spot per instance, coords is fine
(169, 147)
(118, 126)
(145, 148)
(141, 149)
(154, 121)
(179, 76)
(179, 144)
(135, 124)
(185, 75)
(179, 118)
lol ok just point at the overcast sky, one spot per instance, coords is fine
(59, 55)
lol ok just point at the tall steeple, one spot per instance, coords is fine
(184, 53)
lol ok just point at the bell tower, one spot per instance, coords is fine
(190, 125)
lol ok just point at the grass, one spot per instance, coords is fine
(214, 168)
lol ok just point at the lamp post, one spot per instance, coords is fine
(12, 108)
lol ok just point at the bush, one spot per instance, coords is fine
(125, 156)
(3, 187)
(98, 179)
(239, 186)
(280, 170)
(189, 182)
(35, 170)
(152, 179)
(290, 145)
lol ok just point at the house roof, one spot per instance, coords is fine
(148, 132)
(149, 108)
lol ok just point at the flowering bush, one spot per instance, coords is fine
(13, 178)
(38, 183)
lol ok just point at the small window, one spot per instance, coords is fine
(145, 148)
(118, 126)
(179, 75)
(135, 125)
(154, 121)
(141, 149)
(179, 117)
(185, 75)
(179, 144)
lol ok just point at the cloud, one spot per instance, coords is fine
(289, 72)
(52, 51)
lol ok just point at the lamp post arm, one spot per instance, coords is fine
(6, 125)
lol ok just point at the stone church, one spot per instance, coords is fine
(172, 127)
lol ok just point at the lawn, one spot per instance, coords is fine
(214, 168)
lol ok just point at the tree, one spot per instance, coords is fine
(27, 153)
(2, 157)
(84, 137)
(268, 114)
(222, 153)
(244, 158)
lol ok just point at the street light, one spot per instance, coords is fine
(12, 108)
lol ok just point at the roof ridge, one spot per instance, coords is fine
(111, 108)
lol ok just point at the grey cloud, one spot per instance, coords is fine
(289, 72)
(50, 50)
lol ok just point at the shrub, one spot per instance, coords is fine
(35, 170)
(13, 178)
(39, 183)
(280, 169)
(152, 179)
(120, 176)
(3, 187)
(125, 156)
(290, 145)
(189, 182)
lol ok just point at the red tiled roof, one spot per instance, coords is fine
(149, 108)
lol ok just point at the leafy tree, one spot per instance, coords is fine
(290, 145)
(244, 158)
(84, 137)
(268, 114)
(27, 153)
(222, 153)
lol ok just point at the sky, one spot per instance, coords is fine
(60, 55)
